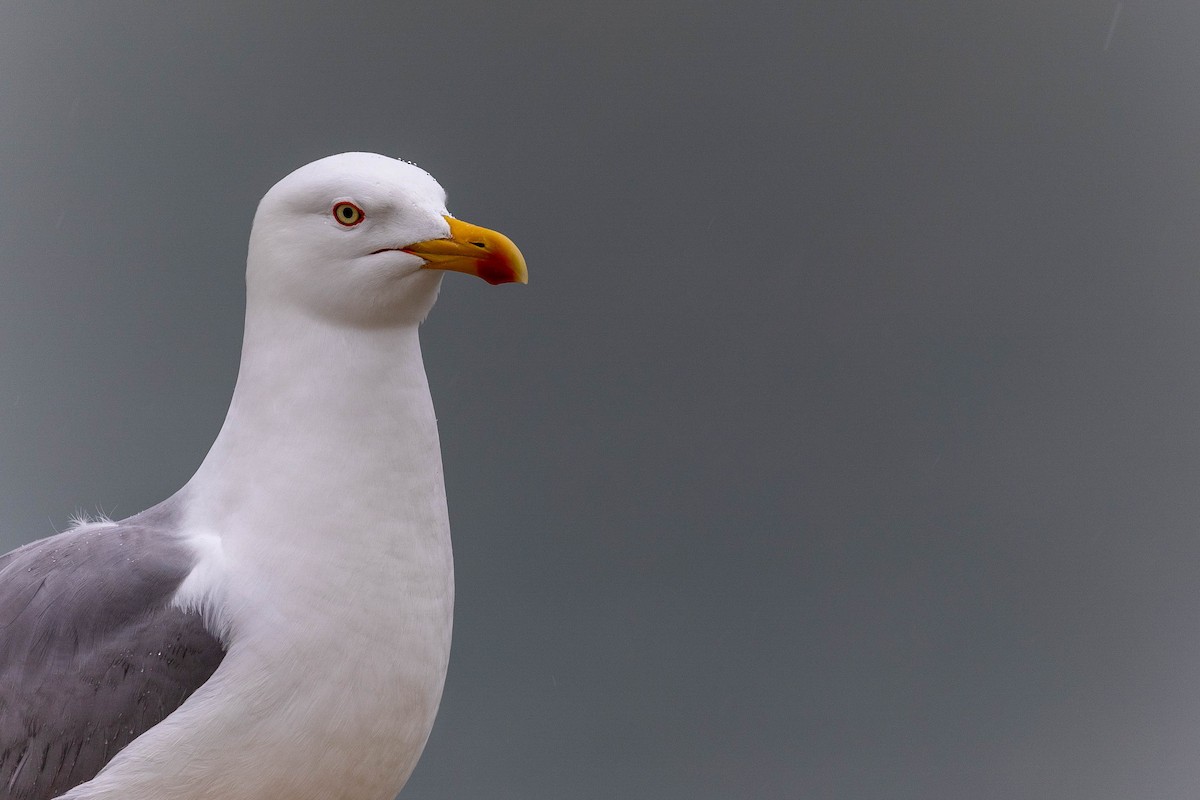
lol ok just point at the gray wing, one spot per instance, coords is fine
(91, 652)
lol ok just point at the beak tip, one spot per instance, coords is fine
(519, 279)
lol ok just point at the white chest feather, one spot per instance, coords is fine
(324, 562)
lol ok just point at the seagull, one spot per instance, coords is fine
(279, 628)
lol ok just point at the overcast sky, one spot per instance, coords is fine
(845, 442)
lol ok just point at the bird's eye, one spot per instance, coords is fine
(348, 214)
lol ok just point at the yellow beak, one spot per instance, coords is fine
(476, 251)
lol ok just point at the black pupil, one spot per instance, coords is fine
(347, 212)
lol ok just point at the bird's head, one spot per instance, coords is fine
(363, 239)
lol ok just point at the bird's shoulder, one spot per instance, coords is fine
(92, 651)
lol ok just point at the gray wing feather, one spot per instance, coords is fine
(91, 652)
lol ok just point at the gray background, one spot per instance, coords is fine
(846, 441)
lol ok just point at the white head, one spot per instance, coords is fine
(360, 239)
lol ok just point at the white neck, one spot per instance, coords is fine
(319, 518)
(328, 463)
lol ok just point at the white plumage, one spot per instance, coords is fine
(316, 527)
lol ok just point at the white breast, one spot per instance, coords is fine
(324, 562)
(328, 692)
